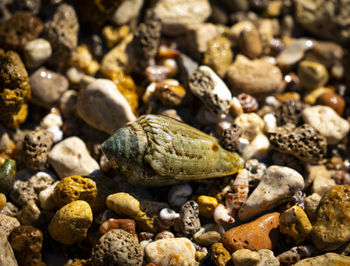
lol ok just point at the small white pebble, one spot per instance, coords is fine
(222, 215)
(167, 214)
(151, 88)
(235, 107)
(272, 101)
(51, 120)
(270, 122)
(57, 133)
(179, 194)
(36, 52)
(242, 144)
(45, 198)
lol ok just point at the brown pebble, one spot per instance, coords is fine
(125, 224)
(333, 100)
(258, 234)
(248, 102)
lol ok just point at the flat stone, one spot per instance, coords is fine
(278, 185)
(171, 251)
(71, 157)
(325, 260)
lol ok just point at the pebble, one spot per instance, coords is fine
(197, 37)
(219, 255)
(255, 235)
(7, 175)
(171, 251)
(332, 226)
(303, 142)
(7, 257)
(256, 77)
(289, 112)
(245, 257)
(257, 148)
(81, 58)
(312, 75)
(27, 241)
(189, 218)
(333, 100)
(293, 53)
(143, 212)
(295, 223)
(10, 209)
(312, 16)
(36, 146)
(324, 118)
(125, 224)
(17, 31)
(206, 206)
(267, 258)
(208, 238)
(71, 223)
(22, 192)
(311, 204)
(170, 92)
(71, 157)
(175, 15)
(127, 11)
(7, 224)
(68, 103)
(278, 185)
(46, 201)
(218, 55)
(103, 107)
(251, 125)
(62, 33)
(16, 90)
(30, 214)
(2, 201)
(36, 52)
(213, 92)
(74, 188)
(325, 260)
(250, 43)
(117, 247)
(121, 58)
(47, 87)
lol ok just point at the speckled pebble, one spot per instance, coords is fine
(219, 255)
(117, 247)
(7, 224)
(189, 218)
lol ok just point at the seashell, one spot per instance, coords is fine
(157, 150)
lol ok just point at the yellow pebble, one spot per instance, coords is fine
(313, 95)
(295, 223)
(200, 255)
(207, 206)
(219, 254)
(2, 200)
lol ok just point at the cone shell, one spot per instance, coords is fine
(157, 150)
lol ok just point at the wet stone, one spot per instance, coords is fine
(7, 175)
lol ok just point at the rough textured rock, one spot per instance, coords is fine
(212, 91)
(7, 224)
(47, 87)
(289, 112)
(26, 242)
(189, 218)
(71, 157)
(219, 255)
(332, 226)
(295, 223)
(175, 15)
(117, 247)
(15, 90)
(256, 77)
(251, 125)
(218, 55)
(21, 28)
(325, 260)
(258, 234)
(74, 188)
(71, 223)
(324, 18)
(303, 142)
(7, 257)
(62, 32)
(327, 122)
(278, 185)
(30, 214)
(229, 137)
(22, 192)
(36, 146)
(102, 106)
(171, 251)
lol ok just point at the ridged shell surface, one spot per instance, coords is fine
(157, 150)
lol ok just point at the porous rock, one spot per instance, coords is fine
(117, 247)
